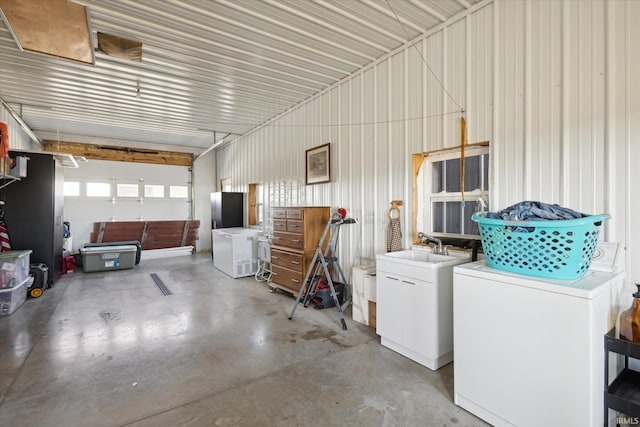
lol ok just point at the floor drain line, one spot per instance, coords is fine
(160, 284)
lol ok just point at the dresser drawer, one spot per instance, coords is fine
(294, 226)
(279, 225)
(290, 240)
(289, 260)
(295, 213)
(287, 278)
(279, 213)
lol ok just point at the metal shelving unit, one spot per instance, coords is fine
(623, 394)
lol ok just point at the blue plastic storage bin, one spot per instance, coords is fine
(560, 249)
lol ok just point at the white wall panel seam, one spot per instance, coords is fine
(628, 149)
(495, 155)
(362, 166)
(408, 200)
(355, 243)
(425, 75)
(388, 88)
(527, 107)
(376, 143)
(466, 102)
(445, 81)
(564, 161)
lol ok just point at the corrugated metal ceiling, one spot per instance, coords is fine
(224, 66)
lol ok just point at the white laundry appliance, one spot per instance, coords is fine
(530, 351)
(235, 250)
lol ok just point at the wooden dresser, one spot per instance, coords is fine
(296, 234)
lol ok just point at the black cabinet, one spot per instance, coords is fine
(33, 211)
(623, 394)
(227, 209)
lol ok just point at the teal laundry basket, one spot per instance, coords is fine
(560, 249)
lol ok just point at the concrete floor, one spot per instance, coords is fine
(108, 349)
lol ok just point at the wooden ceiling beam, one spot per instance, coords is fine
(119, 154)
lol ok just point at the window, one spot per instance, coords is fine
(444, 212)
(127, 190)
(260, 202)
(71, 188)
(225, 184)
(154, 191)
(178, 192)
(256, 204)
(98, 189)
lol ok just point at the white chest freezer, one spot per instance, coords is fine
(530, 351)
(235, 250)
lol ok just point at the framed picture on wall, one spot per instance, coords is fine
(318, 164)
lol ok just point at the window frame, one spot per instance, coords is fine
(256, 204)
(144, 191)
(64, 191)
(124, 185)
(185, 197)
(90, 196)
(425, 197)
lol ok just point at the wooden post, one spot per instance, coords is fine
(145, 230)
(185, 233)
(101, 232)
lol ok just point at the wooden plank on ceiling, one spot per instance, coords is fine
(119, 154)
(53, 27)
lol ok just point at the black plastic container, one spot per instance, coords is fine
(323, 298)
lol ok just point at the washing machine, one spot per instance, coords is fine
(529, 351)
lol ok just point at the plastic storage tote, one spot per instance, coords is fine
(105, 258)
(560, 249)
(14, 268)
(12, 298)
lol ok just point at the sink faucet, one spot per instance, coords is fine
(438, 250)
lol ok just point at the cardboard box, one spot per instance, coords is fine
(19, 168)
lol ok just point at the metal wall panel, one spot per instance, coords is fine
(632, 137)
(550, 83)
(18, 139)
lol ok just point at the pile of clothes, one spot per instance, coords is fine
(533, 211)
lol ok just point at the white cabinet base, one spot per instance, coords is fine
(480, 412)
(422, 359)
